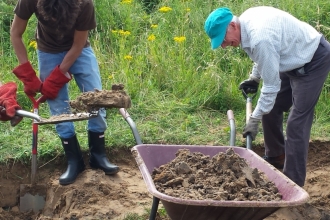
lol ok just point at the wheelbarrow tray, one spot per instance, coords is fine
(150, 156)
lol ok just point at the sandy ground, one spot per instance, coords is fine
(97, 196)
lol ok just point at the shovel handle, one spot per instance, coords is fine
(248, 114)
(36, 103)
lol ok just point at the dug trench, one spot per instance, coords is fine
(97, 196)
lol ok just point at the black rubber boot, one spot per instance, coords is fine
(75, 160)
(98, 158)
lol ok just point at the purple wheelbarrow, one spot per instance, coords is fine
(150, 156)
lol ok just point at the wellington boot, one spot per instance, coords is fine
(98, 158)
(75, 160)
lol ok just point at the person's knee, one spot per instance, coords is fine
(65, 130)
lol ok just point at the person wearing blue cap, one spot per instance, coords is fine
(293, 61)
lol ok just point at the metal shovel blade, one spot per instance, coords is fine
(32, 197)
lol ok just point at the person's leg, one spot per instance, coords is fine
(305, 91)
(272, 123)
(86, 73)
(60, 105)
(47, 62)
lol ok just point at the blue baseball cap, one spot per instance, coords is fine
(216, 25)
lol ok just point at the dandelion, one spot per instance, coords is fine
(179, 39)
(127, 2)
(187, 9)
(128, 57)
(33, 44)
(151, 37)
(165, 9)
(111, 76)
(154, 25)
(124, 33)
(114, 31)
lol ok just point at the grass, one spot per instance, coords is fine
(180, 88)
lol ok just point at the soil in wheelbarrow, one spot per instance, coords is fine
(225, 176)
(98, 196)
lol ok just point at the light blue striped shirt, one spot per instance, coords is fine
(276, 42)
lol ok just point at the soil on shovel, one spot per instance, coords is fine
(91, 101)
(95, 195)
(86, 105)
(225, 176)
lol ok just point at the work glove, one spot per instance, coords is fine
(251, 128)
(8, 103)
(28, 76)
(54, 82)
(250, 85)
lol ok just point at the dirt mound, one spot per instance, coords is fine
(94, 195)
(225, 176)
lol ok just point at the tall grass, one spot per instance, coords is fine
(180, 88)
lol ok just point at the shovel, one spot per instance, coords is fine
(248, 114)
(33, 196)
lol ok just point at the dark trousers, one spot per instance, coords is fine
(300, 92)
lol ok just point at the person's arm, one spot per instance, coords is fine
(79, 41)
(60, 75)
(268, 61)
(16, 32)
(24, 71)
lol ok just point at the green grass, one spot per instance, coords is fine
(181, 90)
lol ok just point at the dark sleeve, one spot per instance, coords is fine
(86, 19)
(24, 9)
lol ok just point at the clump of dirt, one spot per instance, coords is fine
(91, 101)
(225, 176)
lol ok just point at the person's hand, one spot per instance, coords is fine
(251, 128)
(54, 82)
(28, 76)
(250, 85)
(8, 103)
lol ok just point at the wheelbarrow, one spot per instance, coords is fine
(150, 156)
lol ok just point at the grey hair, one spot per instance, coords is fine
(235, 19)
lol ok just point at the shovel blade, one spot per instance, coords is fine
(32, 197)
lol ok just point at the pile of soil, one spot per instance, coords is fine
(225, 176)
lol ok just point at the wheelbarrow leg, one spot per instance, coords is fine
(127, 117)
(153, 212)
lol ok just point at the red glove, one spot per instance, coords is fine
(54, 82)
(8, 103)
(28, 76)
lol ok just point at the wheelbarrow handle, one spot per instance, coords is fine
(27, 114)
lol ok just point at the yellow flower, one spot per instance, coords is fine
(128, 57)
(165, 9)
(111, 76)
(187, 9)
(33, 44)
(154, 25)
(124, 33)
(180, 39)
(151, 37)
(126, 2)
(114, 31)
